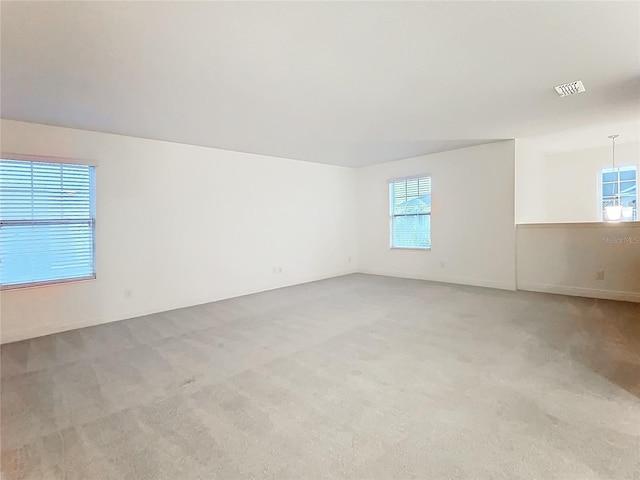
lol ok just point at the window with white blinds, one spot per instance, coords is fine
(410, 213)
(47, 222)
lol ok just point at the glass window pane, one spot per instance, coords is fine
(628, 174)
(609, 189)
(45, 252)
(412, 231)
(627, 188)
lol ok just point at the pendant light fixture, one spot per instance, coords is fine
(614, 210)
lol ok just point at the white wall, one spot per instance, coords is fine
(561, 239)
(472, 223)
(530, 190)
(564, 258)
(181, 225)
(563, 187)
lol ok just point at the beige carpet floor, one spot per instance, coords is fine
(355, 377)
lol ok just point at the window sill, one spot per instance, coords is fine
(411, 249)
(48, 283)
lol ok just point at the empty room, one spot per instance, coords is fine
(312, 240)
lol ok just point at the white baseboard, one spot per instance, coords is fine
(580, 292)
(475, 282)
(42, 330)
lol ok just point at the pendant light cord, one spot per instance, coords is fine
(613, 151)
(613, 165)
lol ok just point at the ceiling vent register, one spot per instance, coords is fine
(570, 88)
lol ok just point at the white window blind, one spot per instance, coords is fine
(410, 213)
(47, 222)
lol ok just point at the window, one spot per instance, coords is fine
(410, 212)
(621, 183)
(47, 222)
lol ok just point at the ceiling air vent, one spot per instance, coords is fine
(570, 88)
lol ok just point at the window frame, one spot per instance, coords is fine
(390, 185)
(9, 156)
(606, 169)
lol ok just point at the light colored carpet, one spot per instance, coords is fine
(353, 377)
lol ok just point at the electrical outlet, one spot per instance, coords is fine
(128, 293)
(600, 275)
(279, 269)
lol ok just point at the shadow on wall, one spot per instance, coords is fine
(602, 335)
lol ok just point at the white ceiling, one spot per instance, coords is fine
(352, 83)
(582, 138)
